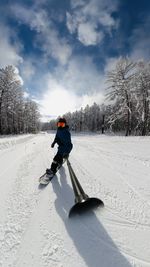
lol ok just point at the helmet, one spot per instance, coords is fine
(61, 122)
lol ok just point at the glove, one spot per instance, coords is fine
(52, 145)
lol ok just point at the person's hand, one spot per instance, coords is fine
(52, 145)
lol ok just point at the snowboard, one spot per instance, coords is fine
(45, 178)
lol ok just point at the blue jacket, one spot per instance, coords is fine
(63, 139)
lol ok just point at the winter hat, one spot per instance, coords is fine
(61, 123)
(62, 120)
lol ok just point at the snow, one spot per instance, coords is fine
(35, 230)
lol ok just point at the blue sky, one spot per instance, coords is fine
(64, 48)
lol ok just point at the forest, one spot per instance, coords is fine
(126, 107)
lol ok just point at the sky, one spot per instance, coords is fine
(64, 48)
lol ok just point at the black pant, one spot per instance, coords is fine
(58, 160)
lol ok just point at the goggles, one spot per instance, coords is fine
(61, 124)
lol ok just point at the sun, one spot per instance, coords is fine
(58, 102)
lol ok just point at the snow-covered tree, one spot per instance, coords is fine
(142, 82)
(31, 116)
(87, 119)
(13, 108)
(10, 99)
(120, 91)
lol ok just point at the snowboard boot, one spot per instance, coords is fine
(49, 173)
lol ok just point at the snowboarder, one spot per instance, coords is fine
(63, 139)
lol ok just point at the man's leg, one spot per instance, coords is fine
(57, 160)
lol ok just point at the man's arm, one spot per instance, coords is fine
(55, 141)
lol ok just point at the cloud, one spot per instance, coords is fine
(48, 38)
(88, 35)
(55, 47)
(97, 97)
(91, 19)
(80, 75)
(9, 53)
(110, 64)
(28, 69)
(77, 3)
(140, 41)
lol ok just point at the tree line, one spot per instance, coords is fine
(126, 106)
(17, 114)
(88, 119)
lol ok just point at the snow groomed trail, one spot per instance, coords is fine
(34, 227)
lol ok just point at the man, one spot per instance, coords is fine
(63, 139)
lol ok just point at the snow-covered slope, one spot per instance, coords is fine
(34, 227)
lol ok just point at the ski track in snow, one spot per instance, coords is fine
(34, 225)
(122, 207)
(131, 191)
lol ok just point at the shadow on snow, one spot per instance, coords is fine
(90, 238)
